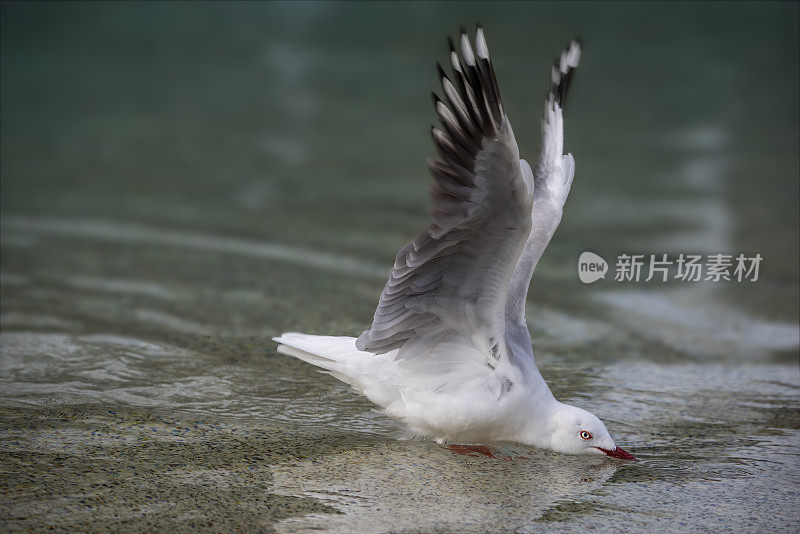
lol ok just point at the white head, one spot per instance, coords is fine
(576, 431)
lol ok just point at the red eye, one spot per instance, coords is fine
(585, 435)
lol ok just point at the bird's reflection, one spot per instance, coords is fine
(426, 487)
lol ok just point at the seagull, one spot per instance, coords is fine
(449, 353)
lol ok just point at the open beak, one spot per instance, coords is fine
(622, 454)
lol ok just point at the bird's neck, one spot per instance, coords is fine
(540, 406)
(542, 410)
(541, 422)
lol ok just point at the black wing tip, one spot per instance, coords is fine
(477, 78)
(440, 71)
(435, 99)
(560, 88)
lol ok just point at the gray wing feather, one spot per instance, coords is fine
(453, 277)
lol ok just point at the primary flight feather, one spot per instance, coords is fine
(448, 351)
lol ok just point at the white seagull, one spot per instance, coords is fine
(449, 353)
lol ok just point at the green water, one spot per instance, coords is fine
(180, 182)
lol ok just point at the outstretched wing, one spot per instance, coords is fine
(552, 182)
(452, 279)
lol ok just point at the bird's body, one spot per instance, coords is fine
(449, 352)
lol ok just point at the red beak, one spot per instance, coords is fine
(619, 453)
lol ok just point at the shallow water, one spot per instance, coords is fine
(180, 184)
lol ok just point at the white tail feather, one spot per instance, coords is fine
(334, 355)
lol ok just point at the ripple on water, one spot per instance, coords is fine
(63, 368)
(690, 321)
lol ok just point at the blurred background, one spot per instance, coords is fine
(179, 182)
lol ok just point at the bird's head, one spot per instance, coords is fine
(576, 431)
